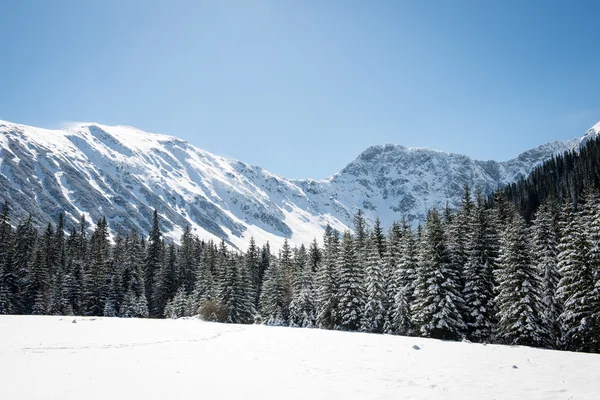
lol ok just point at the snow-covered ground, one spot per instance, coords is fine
(53, 358)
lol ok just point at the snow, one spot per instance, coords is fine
(223, 198)
(52, 358)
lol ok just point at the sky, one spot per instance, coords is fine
(302, 87)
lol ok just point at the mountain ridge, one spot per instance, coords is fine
(124, 173)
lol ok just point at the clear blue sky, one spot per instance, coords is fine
(302, 87)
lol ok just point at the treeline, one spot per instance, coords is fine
(564, 176)
(480, 273)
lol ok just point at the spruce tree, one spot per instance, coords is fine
(478, 291)
(8, 277)
(167, 280)
(376, 296)
(152, 265)
(351, 294)
(520, 319)
(404, 281)
(186, 263)
(252, 265)
(577, 281)
(97, 278)
(302, 307)
(328, 281)
(438, 299)
(545, 251)
(272, 298)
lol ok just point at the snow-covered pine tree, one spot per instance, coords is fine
(135, 303)
(360, 232)
(520, 320)
(438, 299)
(38, 289)
(152, 264)
(351, 295)
(167, 280)
(577, 279)
(263, 265)
(241, 303)
(286, 263)
(272, 298)
(302, 307)
(186, 266)
(379, 237)
(204, 288)
(545, 252)
(178, 306)
(24, 254)
(252, 266)
(373, 318)
(478, 291)
(95, 282)
(7, 275)
(315, 256)
(404, 282)
(328, 281)
(593, 231)
(390, 266)
(59, 301)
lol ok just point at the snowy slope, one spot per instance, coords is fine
(124, 174)
(47, 358)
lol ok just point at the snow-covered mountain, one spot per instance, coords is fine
(124, 174)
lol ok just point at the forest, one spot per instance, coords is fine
(521, 267)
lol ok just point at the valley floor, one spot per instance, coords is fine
(53, 358)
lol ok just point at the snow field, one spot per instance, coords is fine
(108, 358)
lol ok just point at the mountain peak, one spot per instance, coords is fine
(124, 174)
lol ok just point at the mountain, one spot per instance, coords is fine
(124, 174)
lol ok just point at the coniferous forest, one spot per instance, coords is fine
(521, 267)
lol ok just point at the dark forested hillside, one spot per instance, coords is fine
(562, 177)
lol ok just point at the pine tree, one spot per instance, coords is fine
(379, 237)
(96, 276)
(315, 256)
(302, 307)
(8, 277)
(252, 265)
(24, 255)
(152, 265)
(287, 267)
(478, 291)
(404, 281)
(263, 265)
(178, 306)
(438, 300)
(58, 301)
(593, 230)
(167, 280)
(376, 296)
(351, 286)
(204, 288)
(38, 288)
(272, 299)
(186, 263)
(328, 281)
(240, 304)
(519, 299)
(577, 281)
(360, 231)
(545, 250)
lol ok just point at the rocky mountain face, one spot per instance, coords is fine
(124, 174)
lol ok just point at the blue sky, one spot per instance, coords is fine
(302, 87)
